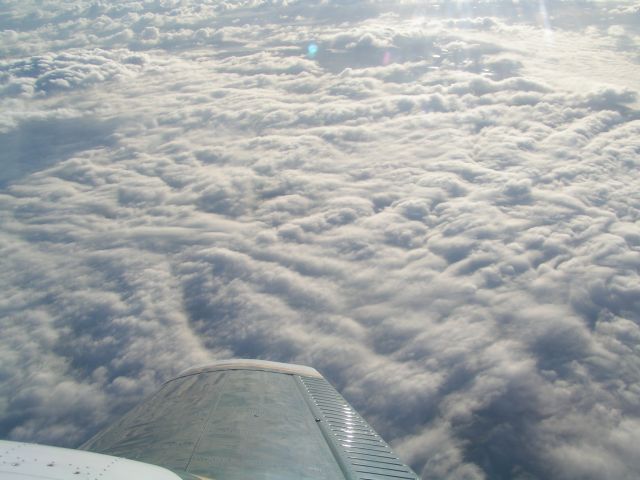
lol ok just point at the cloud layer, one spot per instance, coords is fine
(437, 208)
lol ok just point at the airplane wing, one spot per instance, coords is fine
(248, 419)
(27, 461)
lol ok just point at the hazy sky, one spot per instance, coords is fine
(435, 205)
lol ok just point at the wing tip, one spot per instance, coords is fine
(251, 364)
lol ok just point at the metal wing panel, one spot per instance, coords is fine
(230, 425)
(366, 453)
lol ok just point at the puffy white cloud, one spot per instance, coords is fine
(438, 209)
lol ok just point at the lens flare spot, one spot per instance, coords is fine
(386, 59)
(312, 50)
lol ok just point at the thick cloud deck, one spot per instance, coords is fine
(435, 206)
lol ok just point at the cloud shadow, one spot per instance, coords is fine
(38, 144)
